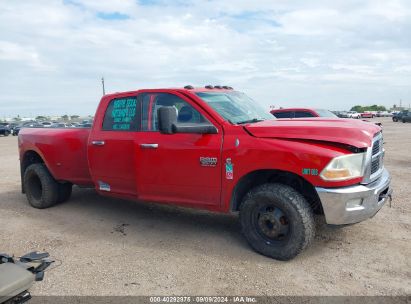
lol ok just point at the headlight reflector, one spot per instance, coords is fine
(344, 167)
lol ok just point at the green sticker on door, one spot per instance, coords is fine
(123, 113)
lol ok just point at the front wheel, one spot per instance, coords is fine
(394, 119)
(277, 221)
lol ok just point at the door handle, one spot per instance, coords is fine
(98, 142)
(149, 146)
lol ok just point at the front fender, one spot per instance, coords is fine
(305, 159)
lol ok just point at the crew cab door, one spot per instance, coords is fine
(111, 146)
(181, 168)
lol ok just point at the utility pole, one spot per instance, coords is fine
(102, 82)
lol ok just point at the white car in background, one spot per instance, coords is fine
(46, 124)
(353, 114)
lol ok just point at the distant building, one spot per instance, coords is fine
(395, 108)
(400, 108)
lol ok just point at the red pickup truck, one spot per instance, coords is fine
(214, 148)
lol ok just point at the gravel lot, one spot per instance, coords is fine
(112, 247)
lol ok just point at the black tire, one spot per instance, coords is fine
(64, 192)
(394, 119)
(40, 187)
(403, 120)
(6, 133)
(281, 232)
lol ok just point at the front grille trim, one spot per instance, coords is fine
(375, 160)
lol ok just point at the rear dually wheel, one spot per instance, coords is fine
(42, 190)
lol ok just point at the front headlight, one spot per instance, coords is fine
(344, 167)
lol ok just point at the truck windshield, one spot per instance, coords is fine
(236, 107)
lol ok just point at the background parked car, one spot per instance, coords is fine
(27, 124)
(59, 125)
(383, 114)
(398, 116)
(341, 114)
(301, 112)
(406, 117)
(13, 128)
(84, 125)
(15, 131)
(304, 112)
(367, 115)
(46, 124)
(5, 129)
(353, 114)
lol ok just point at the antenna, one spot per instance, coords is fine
(102, 82)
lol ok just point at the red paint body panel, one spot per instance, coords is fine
(323, 129)
(64, 152)
(172, 173)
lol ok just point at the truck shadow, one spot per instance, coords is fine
(146, 225)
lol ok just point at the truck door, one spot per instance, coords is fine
(111, 146)
(182, 168)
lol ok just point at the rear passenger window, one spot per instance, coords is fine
(123, 114)
(299, 114)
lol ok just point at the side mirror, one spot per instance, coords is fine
(167, 118)
(167, 123)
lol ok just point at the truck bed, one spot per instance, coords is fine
(66, 150)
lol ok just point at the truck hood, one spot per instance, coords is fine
(347, 131)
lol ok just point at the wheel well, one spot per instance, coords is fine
(29, 158)
(260, 177)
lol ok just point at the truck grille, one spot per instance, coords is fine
(377, 154)
(375, 165)
(376, 147)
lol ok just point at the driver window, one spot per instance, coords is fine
(152, 102)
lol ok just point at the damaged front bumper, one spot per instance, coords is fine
(353, 204)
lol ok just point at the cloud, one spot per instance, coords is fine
(111, 6)
(319, 54)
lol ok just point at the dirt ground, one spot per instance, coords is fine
(112, 247)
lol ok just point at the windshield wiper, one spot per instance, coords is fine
(250, 121)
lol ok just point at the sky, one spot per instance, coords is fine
(323, 54)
